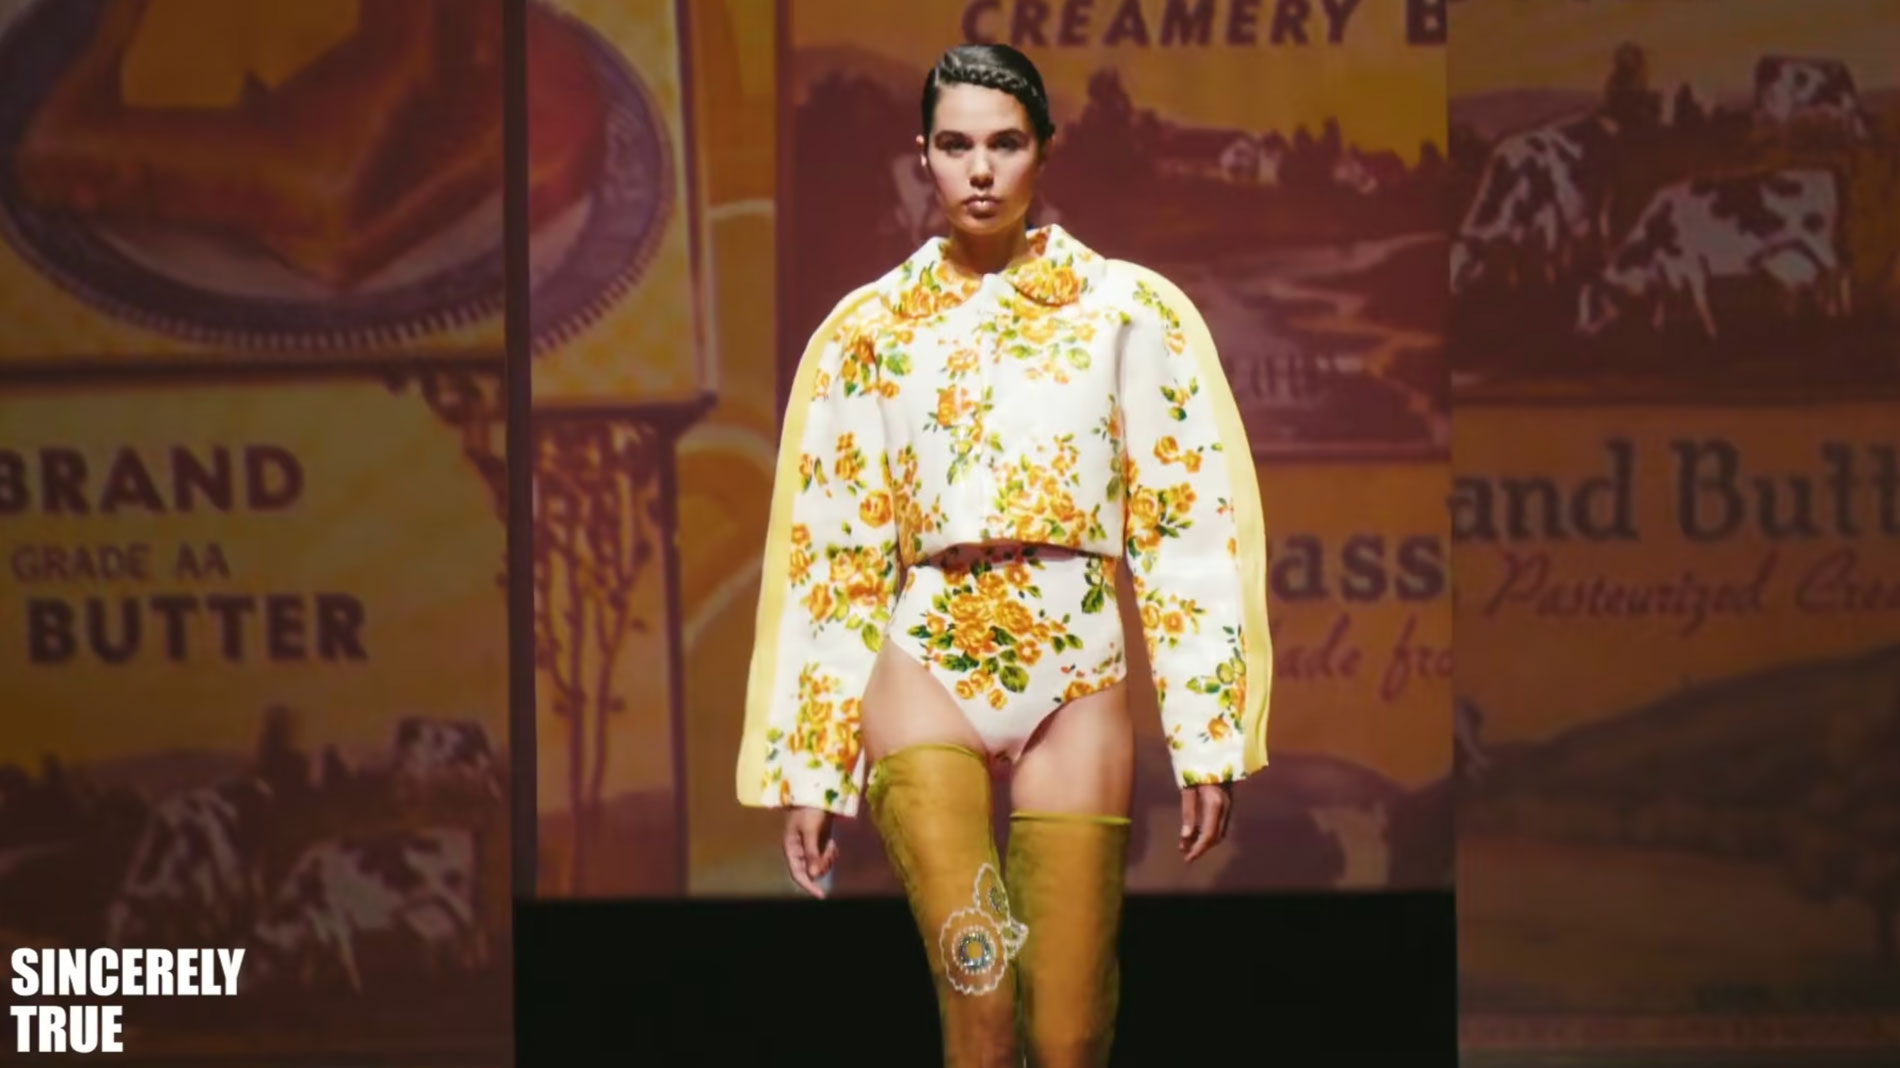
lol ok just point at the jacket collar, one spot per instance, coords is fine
(1054, 270)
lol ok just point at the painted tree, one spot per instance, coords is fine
(1843, 841)
(597, 528)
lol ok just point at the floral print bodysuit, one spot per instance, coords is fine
(1069, 401)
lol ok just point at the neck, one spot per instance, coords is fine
(987, 253)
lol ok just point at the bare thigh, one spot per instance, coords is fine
(1081, 760)
(905, 705)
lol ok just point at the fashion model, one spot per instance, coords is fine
(975, 445)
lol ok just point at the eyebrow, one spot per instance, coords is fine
(1000, 131)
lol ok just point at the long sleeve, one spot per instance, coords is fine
(1195, 539)
(828, 579)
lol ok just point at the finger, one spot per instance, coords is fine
(1218, 808)
(828, 858)
(813, 851)
(1226, 818)
(800, 852)
(1191, 834)
(1190, 812)
(1205, 832)
(1200, 842)
(1215, 808)
(795, 865)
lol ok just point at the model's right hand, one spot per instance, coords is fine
(810, 851)
(1204, 813)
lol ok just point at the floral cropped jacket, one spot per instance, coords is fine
(1068, 400)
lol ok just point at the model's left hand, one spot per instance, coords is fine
(1204, 812)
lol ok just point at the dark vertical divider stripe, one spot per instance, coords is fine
(520, 401)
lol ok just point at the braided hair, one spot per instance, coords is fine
(991, 66)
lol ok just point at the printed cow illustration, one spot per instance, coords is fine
(1777, 226)
(1540, 207)
(415, 887)
(431, 753)
(196, 873)
(1791, 87)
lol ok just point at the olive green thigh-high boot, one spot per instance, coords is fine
(1065, 877)
(931, 804)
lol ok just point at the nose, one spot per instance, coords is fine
(980, 173)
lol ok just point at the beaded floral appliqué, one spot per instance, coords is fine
(977, 943)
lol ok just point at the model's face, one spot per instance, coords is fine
(983, 158)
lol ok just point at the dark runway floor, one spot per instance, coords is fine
(1290, 979)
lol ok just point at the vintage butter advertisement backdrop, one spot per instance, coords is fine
(253, 644)
(1676, 508)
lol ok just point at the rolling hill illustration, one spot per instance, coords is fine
(1497, 112)
(1739, 835)
(1493, 114)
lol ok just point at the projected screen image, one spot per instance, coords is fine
(1674, 283)
(253, 646)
